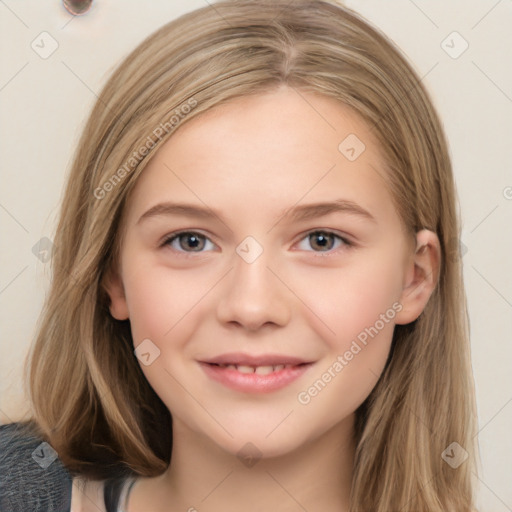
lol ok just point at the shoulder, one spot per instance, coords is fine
(87, 496)
(31, 475)
(100, 495)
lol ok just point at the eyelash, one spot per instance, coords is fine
(188, 254)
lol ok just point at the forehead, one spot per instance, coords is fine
(260, 153)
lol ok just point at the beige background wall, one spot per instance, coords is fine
(45, 99)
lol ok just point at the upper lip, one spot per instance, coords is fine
(241, 359)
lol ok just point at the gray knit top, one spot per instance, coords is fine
(32, 477)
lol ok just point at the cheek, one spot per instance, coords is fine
(161, 306)
(159, 300)
(165, 307)
(350, 299)
(360, 309)
(150, 316)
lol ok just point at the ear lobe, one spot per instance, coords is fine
(422, 277)
(113, 285)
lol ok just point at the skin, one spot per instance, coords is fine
(250, 160)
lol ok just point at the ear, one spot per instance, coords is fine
(113, 285)
(421, 277)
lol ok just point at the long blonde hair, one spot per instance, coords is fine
(89, 397)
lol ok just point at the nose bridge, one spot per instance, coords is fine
(253, 296)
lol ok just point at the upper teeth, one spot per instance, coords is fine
(260, 370)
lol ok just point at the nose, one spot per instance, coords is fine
(253, 296)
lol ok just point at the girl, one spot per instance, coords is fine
(253, 302)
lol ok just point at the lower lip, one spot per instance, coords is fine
(254, 382)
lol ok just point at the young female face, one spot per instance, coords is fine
(265, 279)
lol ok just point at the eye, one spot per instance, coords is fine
(323, 241)
(191, 241)
(188, 241)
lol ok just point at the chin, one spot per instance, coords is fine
(256, 444)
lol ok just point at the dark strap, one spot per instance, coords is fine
(112, 492)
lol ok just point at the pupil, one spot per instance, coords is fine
(321, 240)
(193, 241)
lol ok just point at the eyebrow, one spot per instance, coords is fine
(297, 213)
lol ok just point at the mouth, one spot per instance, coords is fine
(255, 374)
(259, 370)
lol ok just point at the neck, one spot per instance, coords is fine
(202, 476)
